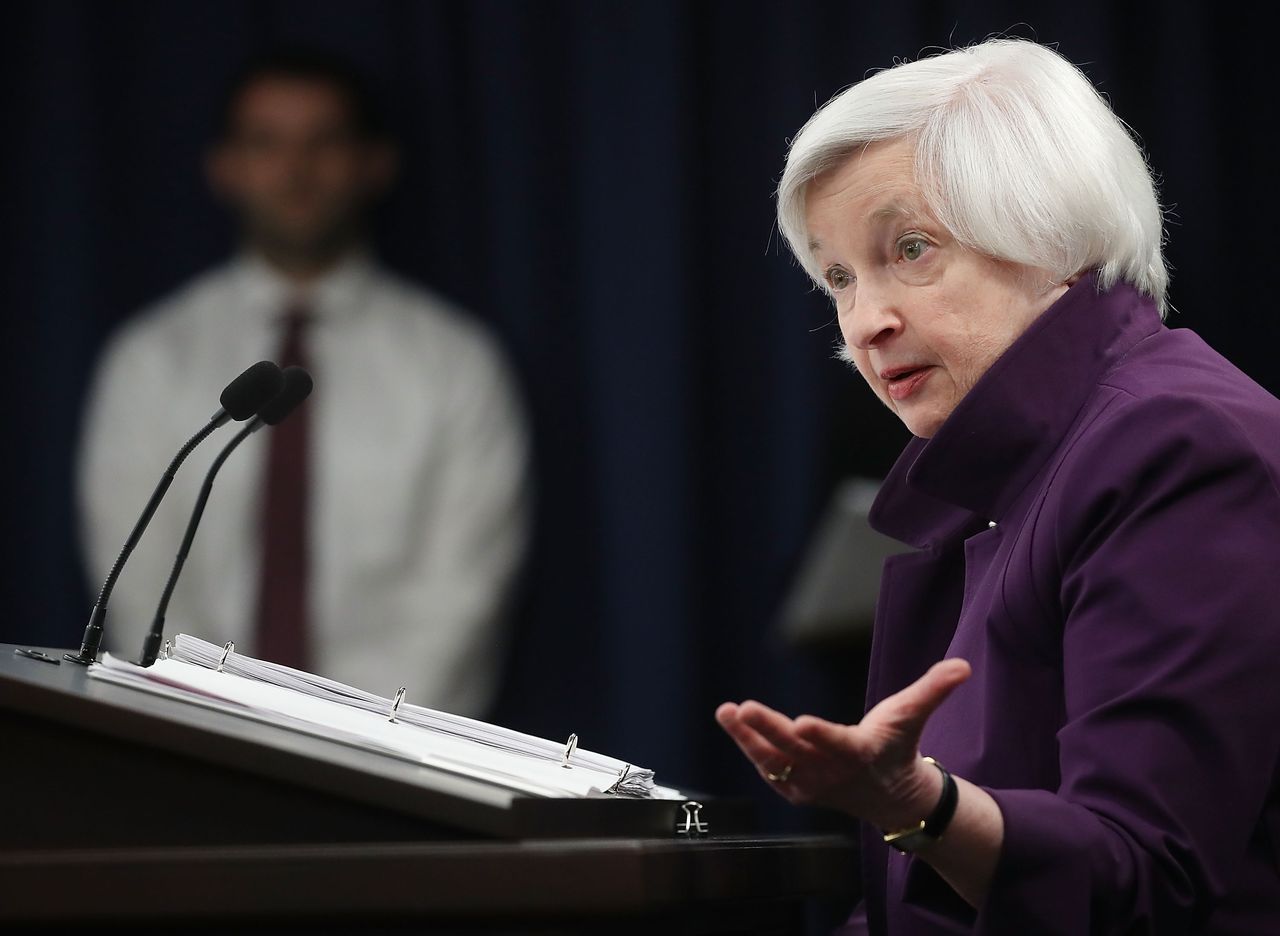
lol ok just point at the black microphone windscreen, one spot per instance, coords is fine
(249, 392)
(297, 387)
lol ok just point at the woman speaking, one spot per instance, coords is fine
(1085, 641)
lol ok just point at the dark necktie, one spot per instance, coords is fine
(282, 635)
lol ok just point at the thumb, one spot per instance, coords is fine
(910, 708)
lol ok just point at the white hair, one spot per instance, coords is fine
(1016, 154)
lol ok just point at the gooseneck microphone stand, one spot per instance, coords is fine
(92, 640)
(151, 647)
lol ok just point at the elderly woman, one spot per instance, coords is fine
(1086, 639)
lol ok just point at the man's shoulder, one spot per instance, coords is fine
(179, 310)
(175, 319)
(426, 317)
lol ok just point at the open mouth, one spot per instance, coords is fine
(902, 383)
(903, 375)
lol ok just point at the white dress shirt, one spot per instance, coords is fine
(418, 495)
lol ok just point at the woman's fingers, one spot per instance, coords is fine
(828, 737)
(775, 728)
(909, 709)
(758, 749)
(814, 760)
(725, 712)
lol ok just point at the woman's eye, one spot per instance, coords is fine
(913, 248)
(838, 278)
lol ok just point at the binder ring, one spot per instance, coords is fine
(395, 704)
(570, 746)
(616, 786)
(227, 649)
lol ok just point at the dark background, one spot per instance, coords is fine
(594, 180)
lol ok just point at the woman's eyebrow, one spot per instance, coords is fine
(896, 210)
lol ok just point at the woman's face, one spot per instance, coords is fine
(922, 317)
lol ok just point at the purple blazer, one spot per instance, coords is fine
(1097, 529)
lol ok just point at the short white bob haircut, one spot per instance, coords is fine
(1016, 154)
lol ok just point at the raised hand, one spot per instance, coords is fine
(871, 770)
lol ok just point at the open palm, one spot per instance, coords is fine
(871, 770)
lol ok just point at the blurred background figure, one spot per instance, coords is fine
(373, 536)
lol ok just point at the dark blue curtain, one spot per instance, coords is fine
(594, 180)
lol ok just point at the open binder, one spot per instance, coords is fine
(329, 764)
(135, 797)
(201, 673)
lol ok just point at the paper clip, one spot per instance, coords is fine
(227, 649)
(693, 824)
(164, 651)
(395, 704)
(570, 746)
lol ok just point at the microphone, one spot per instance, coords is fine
(297, 387)
(240, 400)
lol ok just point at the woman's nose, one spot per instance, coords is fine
(871, 319)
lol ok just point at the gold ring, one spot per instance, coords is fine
(781, 776)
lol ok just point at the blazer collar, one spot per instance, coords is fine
(1004, 430)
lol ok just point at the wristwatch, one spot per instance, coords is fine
(929, 830)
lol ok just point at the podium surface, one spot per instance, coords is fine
(131, 807)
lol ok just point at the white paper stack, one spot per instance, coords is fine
(199, 672)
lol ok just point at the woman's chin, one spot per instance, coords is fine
(922, 422)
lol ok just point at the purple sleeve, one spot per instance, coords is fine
(1167, 538)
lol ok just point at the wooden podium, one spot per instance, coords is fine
(126, 807)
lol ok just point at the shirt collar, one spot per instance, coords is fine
(1004, 430)
(339, 292)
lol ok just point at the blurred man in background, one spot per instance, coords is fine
(373, 535)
